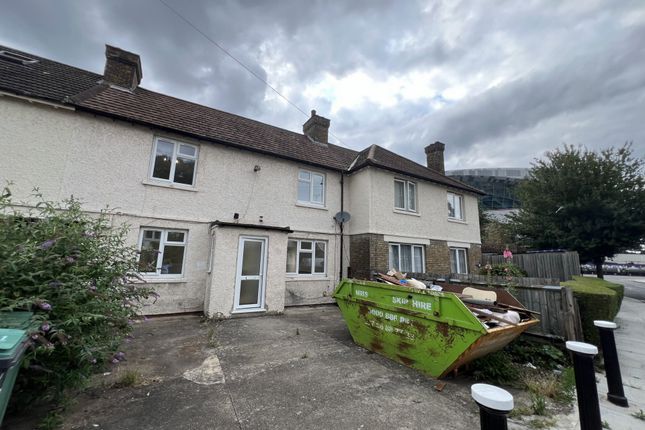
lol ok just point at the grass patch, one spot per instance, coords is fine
(520, 411)
(129, 378)
(497, 368)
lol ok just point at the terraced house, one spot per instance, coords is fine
(231, 215)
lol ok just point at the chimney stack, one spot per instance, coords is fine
(122, 68)
(317, 128)
(434, 155)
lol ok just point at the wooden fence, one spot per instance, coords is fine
(559, 315)
(561, 265)
(497, 281)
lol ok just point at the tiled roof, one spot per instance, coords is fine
(378, 156)
(58, 82)
(44, 79)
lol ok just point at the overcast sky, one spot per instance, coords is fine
(500, 82)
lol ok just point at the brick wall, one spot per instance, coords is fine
(474, 258)
(370, 252)
(437, 257)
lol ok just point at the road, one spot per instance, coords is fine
(634, 285)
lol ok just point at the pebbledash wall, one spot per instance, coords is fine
(376, 223)
(107, 162)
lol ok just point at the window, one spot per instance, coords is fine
(405, 195)
(407, 258)
(311, 187)
(162, 252)
(174, 162)
(455, 206)
(306, 257)
(458, 260)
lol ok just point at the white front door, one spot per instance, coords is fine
(251, 271)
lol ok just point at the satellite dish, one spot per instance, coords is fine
(342, 217)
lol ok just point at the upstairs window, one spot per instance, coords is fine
(162, 252)
(306, 257)
(407, 258)
(311, 188)
(405, 195)
(174, 162)
(455, 206)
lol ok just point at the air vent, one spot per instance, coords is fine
(16, 58)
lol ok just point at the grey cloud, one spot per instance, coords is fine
(555, 66)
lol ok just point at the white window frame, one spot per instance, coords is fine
(413, 246)
(406, 195)
(460, 199)
(311, 187)
(313, 257)
(175, 149)
(162, 245)
(456, 250)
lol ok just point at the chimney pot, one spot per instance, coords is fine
(122, 68)
(434, 156)
(317, 128)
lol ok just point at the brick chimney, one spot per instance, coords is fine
(434, 155)
(122, 68)
(317, 128)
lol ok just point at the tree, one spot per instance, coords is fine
(590, 202)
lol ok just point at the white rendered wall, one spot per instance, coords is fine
(431, 220)
(106, 162)
(220, 302)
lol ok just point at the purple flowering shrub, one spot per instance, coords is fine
(78, 276)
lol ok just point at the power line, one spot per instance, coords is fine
(248, 69)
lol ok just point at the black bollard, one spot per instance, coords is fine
(615, 393)
(588, 407)
(494, 405)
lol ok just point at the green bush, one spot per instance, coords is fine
(597, 300)
(504, 269)
(76, 274)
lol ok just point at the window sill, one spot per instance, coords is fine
(292, 278)
(403, 212)
(169, 185)
(458, 221)
(248, 311)
(312, 206)
(151, 280)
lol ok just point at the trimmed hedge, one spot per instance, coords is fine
(598, 300)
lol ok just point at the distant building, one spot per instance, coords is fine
(499, 184)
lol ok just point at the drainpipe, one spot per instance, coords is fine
(342, 202)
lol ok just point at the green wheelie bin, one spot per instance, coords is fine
(13, 343)
(432, 331)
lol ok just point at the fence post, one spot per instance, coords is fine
(494, 405)
(588, 407)
(615, 393)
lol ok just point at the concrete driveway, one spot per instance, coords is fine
(300, 370)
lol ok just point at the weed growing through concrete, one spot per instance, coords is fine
(212, 338)
(606, 425)
(305, 355)
(538, 404)
(130, 378)
(542, 423)
(639, 415)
